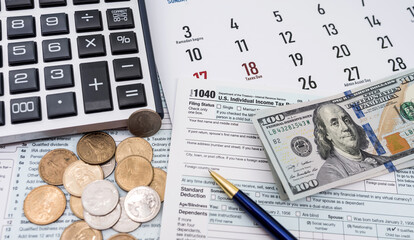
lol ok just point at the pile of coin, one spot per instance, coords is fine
(94, 199)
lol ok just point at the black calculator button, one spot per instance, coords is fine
(91, 46)
(96, 89)
(25, 110)
(21, 27)
(19, 4)
(58, 77)
(61, 105)
(24, 80)
(53, 24)
(52, 3)
(1, 56)
(56, 50)
(123, 43)
(120, 18)
(116, 0)
(22, 53)
(2, 119)
(89, 20)
(127, 69)
(1, 85)
(76, 2)
(131, 96)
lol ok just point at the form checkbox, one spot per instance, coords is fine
(349, 218)
(308, 199)
(257, 194)
(213, 196)
(223, 207)
(238, 108)
(218, 106)
(297, 213)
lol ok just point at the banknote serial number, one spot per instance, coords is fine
(289, 127)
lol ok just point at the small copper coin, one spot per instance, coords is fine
(75, 204)
(159, 181)
(133, 146)
(53, 165)
(122, 236)
(44, 204)
(132, 172)
(144, 123)
(79, 174)
(80, 230)
(96, 148)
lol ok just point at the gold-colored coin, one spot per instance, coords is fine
(133, 171)
(133, 146)
(80, 230)
(44, 204)
(79, 174)
(144, 123)
(96, 148)
(122, 236)
(159, 181)
(53, 165)
(75, 204)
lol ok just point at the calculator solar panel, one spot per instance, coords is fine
(72, 66)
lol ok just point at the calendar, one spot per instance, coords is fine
(314, 47)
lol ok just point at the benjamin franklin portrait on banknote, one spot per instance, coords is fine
(340, 142)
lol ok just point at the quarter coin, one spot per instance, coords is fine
(144, 123)
(132, 172)
(133, 146)
(103, 222)
(96, 148)
(79, 174)
(125, 224)
(159, 181)
(44, 204)
(80, 230)
(108, 167)
(53, 165)
(142, 204)
(75, 204)
(100, 197)
(122, 236)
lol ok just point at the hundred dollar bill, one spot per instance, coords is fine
(355, 135)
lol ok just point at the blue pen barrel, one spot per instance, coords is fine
(262, 217)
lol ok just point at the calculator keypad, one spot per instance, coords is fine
(74, 59)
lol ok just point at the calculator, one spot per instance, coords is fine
(72, 66)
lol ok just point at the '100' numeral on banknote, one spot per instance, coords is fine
(355, 135)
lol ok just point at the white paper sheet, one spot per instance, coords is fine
(309, 46)
(213, 130)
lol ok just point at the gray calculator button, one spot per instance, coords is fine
(19, 4)
(56, 50)
(61, 105)
(22, 53)
(25, 110)
(21, 27)
(24, 80)
(2, 119)
(59, 77)
(53, 24)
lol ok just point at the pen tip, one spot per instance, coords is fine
(209, 171)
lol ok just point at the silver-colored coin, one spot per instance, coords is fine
(103, 222)
(100, 197)
(125, 224)
(108, 167)
(142, 204)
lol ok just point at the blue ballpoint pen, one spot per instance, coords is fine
(259, 214)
